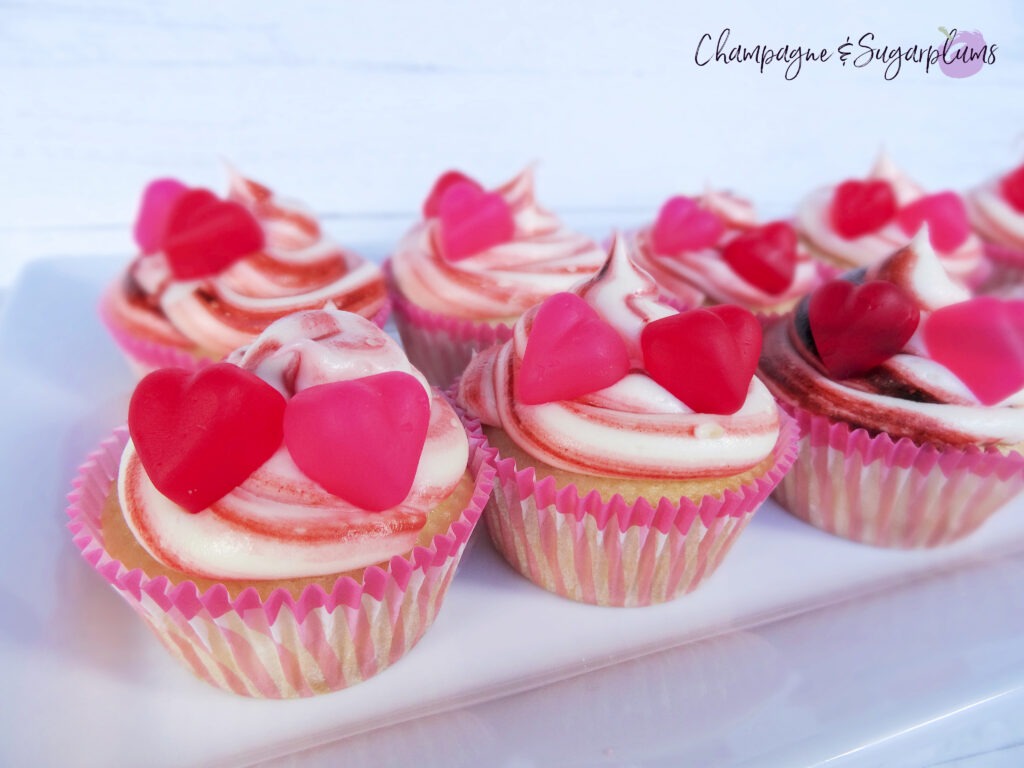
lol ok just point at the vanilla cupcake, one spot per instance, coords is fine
(712, 250)
(213, 273)
(287, 522)
(996, 209)
(623, 479)
(462, 276)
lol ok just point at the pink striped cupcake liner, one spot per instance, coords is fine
(893, 493)
(283, 647)
(619, 554)
(440, 346)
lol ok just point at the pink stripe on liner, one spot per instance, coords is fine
(893, 493)
(438, 345)
(613, 553)
(283, 647)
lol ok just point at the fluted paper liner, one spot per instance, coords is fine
(283, 647)
(440, 346)
(146, 355)
(893, 493)
(613, 552)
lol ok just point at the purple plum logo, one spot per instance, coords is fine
(963, 53)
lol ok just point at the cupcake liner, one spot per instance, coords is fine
(893, 493)
(1006, 268)
(440, 346)
(615, 553)
(283, 647)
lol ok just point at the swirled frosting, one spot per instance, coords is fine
(814, 222)
(910, 395)
(278, 523)
(633, 428)
(703, 277)
(298, 268)
(993, 217)
(501, 282)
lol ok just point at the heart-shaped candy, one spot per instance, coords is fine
(571, 352)
(858, 327)
(432, 205)
(948, 226)
(360, 439)
(472, 220)
(704, 357)
(860, 207)
(982, 342)
(683, 225)
(205, 235)
(1012, 186)
(158, 199)
(764, 256)
(199, 435)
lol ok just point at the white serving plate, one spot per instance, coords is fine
(86, 684)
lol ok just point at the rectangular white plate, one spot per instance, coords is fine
(86, 684)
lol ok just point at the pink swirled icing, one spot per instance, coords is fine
(993, 217)
(633, 428)
(703, 277)
(814, 222)
(910, 395)
(278, 523)
(299, 268)
(504, 280)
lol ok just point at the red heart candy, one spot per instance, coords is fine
(571, 352)
(360, 439)
(945, 215)
(860, 207)
(432, 205)
(473, 220)
(682, 225)
(1012, 186)
(158, 199)
(764, 256)
(205, 235)
(858, 327)
(199, 435)
(982, 342)
(704, 357)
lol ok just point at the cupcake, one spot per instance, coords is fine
(213, 273)
(288, 521)
(712, 250)
(476, 262)
(624, 479)
(909, 393)
(860, 222)
(996, 209)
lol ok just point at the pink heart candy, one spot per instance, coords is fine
(158, 199)
(360, 439)
(948, 226)
(571, 352)
(982, 342)
(682, 225)
(472, 220)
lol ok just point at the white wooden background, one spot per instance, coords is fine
(355, 106)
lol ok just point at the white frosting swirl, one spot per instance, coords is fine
(993, 217)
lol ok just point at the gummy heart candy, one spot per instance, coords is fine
(205, 235)
(1012, 186)
(982, 342)
(704, 357)
(682, 225)
(571, 352)
(158, 199)
(472, 220)
(764, 256)
(360, 439)
(945, 215)
(432, 205)
(199, 435)
(858, 327)
(860, 207)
